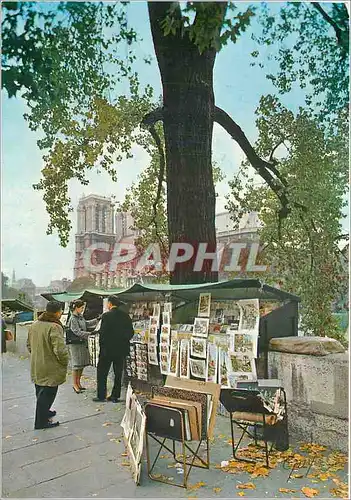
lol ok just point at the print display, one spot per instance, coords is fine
(201, 327)
(211, 368)
(184, 359)
(198, 368)
(204, 305)
(198, 347)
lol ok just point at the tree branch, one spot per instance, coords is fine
(149, 121)
(262, 167)
(338, 31)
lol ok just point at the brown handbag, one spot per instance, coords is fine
(8, 335)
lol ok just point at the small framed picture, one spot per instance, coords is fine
(153, 340)
(201, 327)
(166, 330)
(153, 330)
(198, 368)
(204, 305)
(198, 347)
(152, 355)
(164, 363)
(154, 320)
(166, 320)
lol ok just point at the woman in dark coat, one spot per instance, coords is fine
(77, 340)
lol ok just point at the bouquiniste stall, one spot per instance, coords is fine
(214, 331)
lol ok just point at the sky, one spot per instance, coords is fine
(27, 248)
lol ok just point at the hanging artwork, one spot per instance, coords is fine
(223, 371)
(184, 359)
(198, 347)
(157, 311)
(244, 343)
(174, 358)
(211, 368)
(154, 320)
(164, 362)
(204, 305)
(250, 315)
(242, 366)
(198, 368)
(153, 340)
(167, 307)
(152, 355)
(153, 330)
(201, 327)
(166, 320)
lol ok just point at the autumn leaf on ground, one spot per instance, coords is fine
(342, 489)
(106, 424)
(286, 490)
(296, 476)
(124, 454)
(241, 494)
(196, 486)
(324, 476)
(221, 436)
(125, 464)
(246, 486)
(312, 448)
(309, 492)
(260, 471)
(217, 490)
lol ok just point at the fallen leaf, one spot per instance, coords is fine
(246, 486)
(260, 471)
(8, 437)
(221, 436)
(286, 490)
(125, 464)
(109, 434)
(124, 454)
(296, 476)
(324, 476)
(309, 492)
(34, 440)
(106, 424)
(196, 486)
(241, 494)
(217, 490)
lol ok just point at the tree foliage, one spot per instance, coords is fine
(81, 284)
(302, 250)
(310, 43)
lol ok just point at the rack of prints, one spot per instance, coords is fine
(133, 425)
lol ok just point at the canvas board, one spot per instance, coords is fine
(200, 387)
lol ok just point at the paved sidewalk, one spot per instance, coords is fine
(83, 457)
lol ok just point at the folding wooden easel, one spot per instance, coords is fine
(166, 423)
(247, 409)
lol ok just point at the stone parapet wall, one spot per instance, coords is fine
(318, 395)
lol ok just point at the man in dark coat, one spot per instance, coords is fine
(116, 332)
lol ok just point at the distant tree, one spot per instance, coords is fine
(81, 284)
(7, 292)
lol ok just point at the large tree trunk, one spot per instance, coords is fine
(188, 100)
